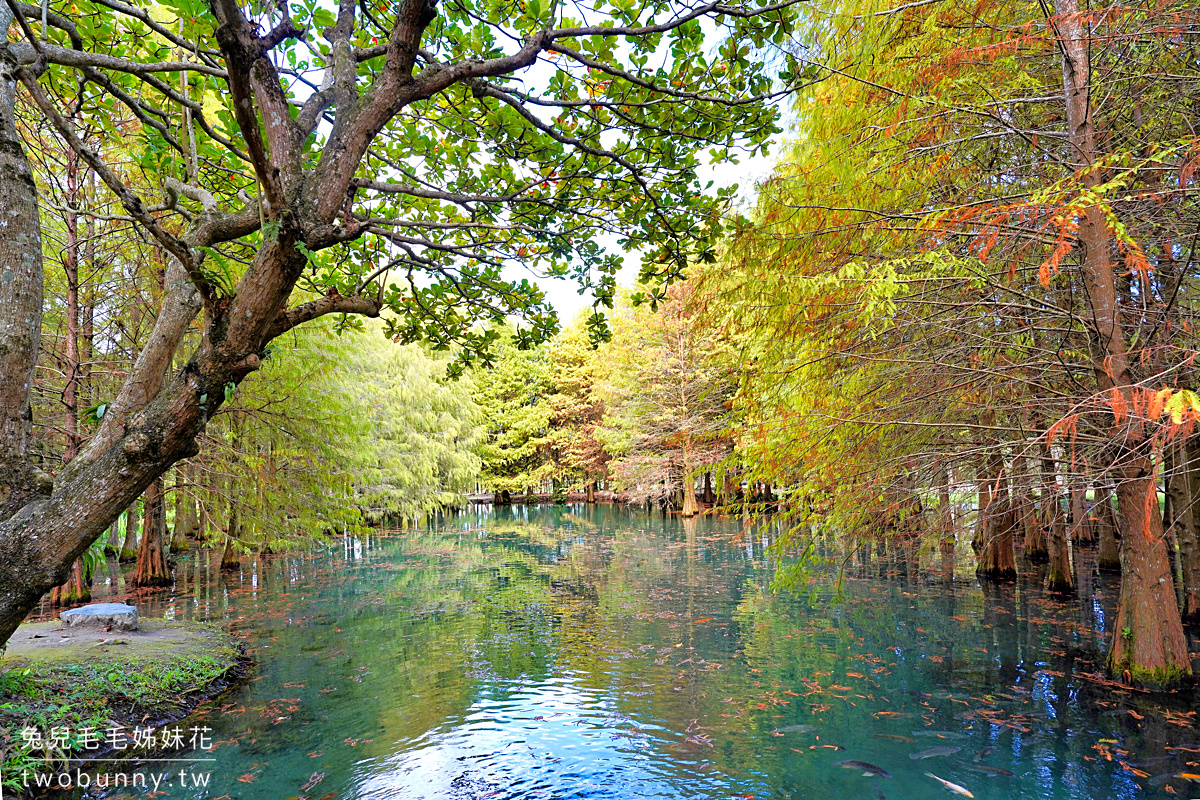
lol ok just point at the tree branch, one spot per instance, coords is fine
(329, 304)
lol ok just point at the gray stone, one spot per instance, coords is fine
(118, 616)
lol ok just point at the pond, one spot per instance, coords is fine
(589, 652)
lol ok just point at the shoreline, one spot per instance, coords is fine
(98, 690)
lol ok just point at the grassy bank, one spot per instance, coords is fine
(55, 679)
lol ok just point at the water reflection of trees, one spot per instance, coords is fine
(675, 622)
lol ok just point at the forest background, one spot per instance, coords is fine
(970, 283)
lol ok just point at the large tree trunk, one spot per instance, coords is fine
(152, 569)
(21, 285)
(1036, 550)
(1149, 645)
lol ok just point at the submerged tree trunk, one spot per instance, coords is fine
(946, 524)
(1081, 527)
(1108, 556)
(229, 558)
(1183, 489)
(185, 516)
(689, 492)
(997, 557)
(130, 546)
(1035, 550)
(1033, 535)
(1149, 647)
(1058, 578)
(77, 589)
(152, 569)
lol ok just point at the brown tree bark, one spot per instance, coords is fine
(71, 362)
(77, 589)
(185, 514)
(114, 539)
(21, 286)
(1033, 536)
(946, 540)
(997, 556)
(689, 492)
(1149, 646)
(1058, 578)
(982, 503)
(1183, 490)
(229, 557)
(152, 568)
(1108, 556)
(1081, 527)
(1036, 550)
(129, 547)
(591, 492)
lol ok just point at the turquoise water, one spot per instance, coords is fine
(586, 652)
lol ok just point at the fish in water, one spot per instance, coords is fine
(954, 787)
(942, 734)
(986, 770)
(798, 729)
(879, 793)
(934, 751)
(894, 737)
(869, 770)
(982, 754)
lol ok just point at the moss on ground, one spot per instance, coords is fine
(94, 680)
